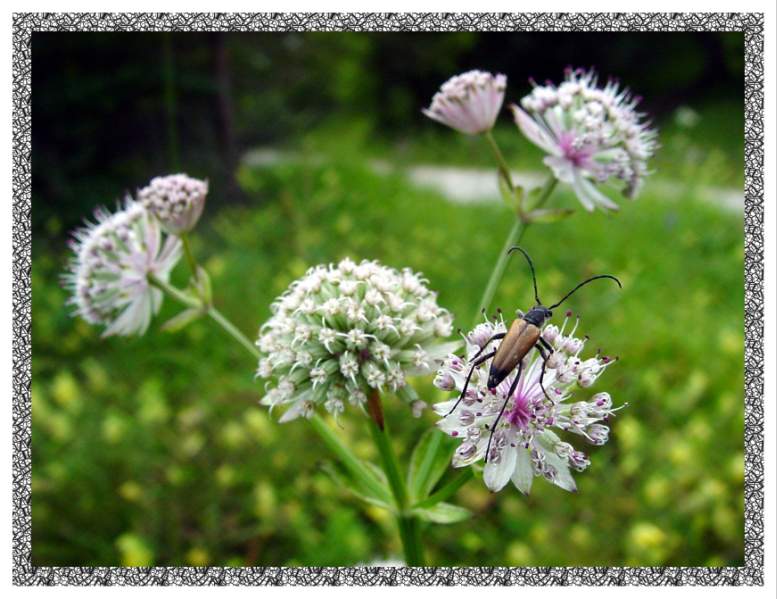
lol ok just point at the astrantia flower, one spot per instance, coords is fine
(592, 135)
(343, 330)
(525, 443)
(176, 200)
(109, 273)
(469, 102)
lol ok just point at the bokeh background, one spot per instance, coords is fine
(154, 451)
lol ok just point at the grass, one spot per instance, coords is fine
(155, 451)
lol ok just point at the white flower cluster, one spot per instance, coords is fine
(524, 444)
(176, 200)
(113, 259)
(469, 102)
(591, 134)
(343, 330)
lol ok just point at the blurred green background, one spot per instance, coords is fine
(154, 451)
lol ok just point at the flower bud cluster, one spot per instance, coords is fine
(344, 330)
(176, 200)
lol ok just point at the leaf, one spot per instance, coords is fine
(443, 513)
(513, 198)
(548, 215)
(431, 457)
(505, 191)
(201, 286)
(179, 321)
(355, 489)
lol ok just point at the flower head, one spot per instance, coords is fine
(469, 102)
(176, 200)
(591, 135)
(522, 443)
(113, 259)
(342, 330)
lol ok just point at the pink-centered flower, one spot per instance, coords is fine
(592, 135)
(527, 437)
(113, 259)
(469, 102)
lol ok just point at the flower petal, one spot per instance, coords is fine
(497, 474)
(563, 477)
(524, 471)
(534, 132)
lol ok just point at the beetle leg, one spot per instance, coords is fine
(469, 376)
(547, 345)
(482, 349)
(504, 405)
(542, 372)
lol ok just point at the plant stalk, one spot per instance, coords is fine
(504, 169)
(513, 237)
(187, 250)
(409, 531)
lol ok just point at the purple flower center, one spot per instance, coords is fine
(578, 155)
(520, 414)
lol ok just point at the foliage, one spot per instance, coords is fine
(155, 451)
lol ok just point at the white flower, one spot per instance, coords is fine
(591, 135)
(469, 102)
(343, 330)
(524, 443)
(176, 200)
(109, 273)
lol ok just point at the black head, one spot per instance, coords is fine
(537, 316)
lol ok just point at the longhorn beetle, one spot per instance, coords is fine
(523, 335)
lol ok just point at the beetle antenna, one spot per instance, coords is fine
(531, 266)
(584, 283)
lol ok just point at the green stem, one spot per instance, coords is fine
(500, 159)
(187, 251)
(448, 489)
(211, 311)
(513, 237)
(409, 531)
(233, 331)
(390, 465)
(174, 292)
(350, 461)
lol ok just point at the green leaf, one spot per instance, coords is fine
(548, 215)
(443, 513)
(428, 463)
(505, 191)
(179, 321)
(201, 286)
(359, 491)
(513, 198)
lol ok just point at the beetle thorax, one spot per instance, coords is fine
(537, 315)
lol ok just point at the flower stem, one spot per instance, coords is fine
(349, 460)
(409, 531)
(187, 250)
(230, 328)
(174, 292)
(513, 237)
(504, 170)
